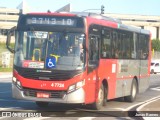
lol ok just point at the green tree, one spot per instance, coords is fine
(156, 44)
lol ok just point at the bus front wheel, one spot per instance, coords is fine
(101, 99)
(133, 94)
(42, 104)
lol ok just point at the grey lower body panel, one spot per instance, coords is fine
(77, 96)
(123, 87)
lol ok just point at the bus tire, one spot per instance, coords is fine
(133, 94)
(152, 71)
(100, 102)
(42, 104)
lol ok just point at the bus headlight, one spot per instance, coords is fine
(76, 86)
(71, 88)
(14, 80)
(17, 82)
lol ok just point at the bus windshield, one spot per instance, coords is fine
(49, 50)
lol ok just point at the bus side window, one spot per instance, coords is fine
(93, 45)
(93, 49)
(134, 46)
(115, 51)
(143, 50)
(106, 44)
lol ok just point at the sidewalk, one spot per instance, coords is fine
(5, 74)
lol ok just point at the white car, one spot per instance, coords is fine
(155, 66)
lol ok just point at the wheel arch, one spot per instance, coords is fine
(105, 85)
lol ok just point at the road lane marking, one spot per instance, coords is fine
(3, 109)
(10, 108)
(119, 109)
(156, 88)
(151, 118)
(140, 107)
(154, 98)
(86, 118)
(146, 117)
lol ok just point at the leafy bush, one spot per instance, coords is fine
(3, 46)
(156, 45)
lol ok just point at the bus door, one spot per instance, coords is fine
(143, 54)
(93, 62)
(93, 49)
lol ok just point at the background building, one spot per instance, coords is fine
(151, 23)
(8, 19)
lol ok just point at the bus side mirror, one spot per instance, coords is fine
(8, 41)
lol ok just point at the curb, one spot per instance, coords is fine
(6, 75)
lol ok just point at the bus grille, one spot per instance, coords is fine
(53, 94)
(52, 75)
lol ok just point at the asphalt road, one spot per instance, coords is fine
(114, 109)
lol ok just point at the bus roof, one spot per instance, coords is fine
(51, 14)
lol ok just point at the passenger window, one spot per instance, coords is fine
(106, 44)
(143, 47)
(115, 51)
(134, 46)
(93, 48)
(121, 45)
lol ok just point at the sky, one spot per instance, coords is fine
(137, 7)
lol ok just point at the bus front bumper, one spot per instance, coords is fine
(77, 96)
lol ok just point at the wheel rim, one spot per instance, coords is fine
(134, 91)
(100, 96)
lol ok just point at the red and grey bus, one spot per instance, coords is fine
(78, 58)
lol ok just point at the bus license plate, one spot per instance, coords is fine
(43, 95)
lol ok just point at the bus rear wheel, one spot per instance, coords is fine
(42, 104)
(133, 94)
(101, 99)
(152, 71)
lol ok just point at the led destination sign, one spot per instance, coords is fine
(51, 21)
